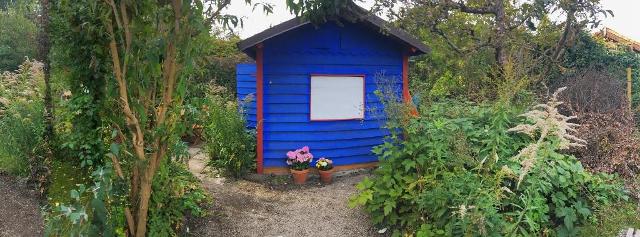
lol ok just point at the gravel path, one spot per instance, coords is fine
(245, 208)
(19, 210)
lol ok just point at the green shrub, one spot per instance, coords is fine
(80, 208)
(176, 194)
(228, 142)
(21, 127)
(17, 39)
(458, 173)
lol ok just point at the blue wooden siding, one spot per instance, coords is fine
(246, 89)
(290, 59)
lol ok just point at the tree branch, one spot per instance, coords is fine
(435, 29)
(131, 119)
(460, 5)
(212, 15)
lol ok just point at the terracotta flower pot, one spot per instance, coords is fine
(299, 176)
(326, 176)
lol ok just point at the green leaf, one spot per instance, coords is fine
(408, 164)
(74, 194)
(569, 219)
(115, 148)
(388, 207)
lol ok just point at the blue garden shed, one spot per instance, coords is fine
(314, 86)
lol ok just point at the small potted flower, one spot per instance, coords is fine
(325, 167)
(299, 162)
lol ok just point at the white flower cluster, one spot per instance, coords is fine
(21, 85)
(547, 121)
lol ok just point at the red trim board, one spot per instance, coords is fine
(313, 170)
(259, 108)
(405, 84)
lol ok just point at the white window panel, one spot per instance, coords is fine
(337, 97)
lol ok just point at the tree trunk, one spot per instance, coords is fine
(143, 206)
(564, 38)
(146, 163)
(40, 171)
(501, 32)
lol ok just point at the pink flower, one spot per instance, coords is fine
(299, 156)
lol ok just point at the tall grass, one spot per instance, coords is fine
(21, 117)
(21, 130)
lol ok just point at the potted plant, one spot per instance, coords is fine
(299, 162)
(325, 167)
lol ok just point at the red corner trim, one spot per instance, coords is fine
(405, 84)
(259, 109)
(405, 78)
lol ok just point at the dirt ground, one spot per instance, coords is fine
(277, 208)
(19, 209)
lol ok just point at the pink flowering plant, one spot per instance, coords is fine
(324, 164)
(299, 159)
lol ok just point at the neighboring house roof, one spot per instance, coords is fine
(613, 36)
(361, 15)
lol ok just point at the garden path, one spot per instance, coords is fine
(19, 209)
(276, 208)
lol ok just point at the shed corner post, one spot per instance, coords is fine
(406, 96)
(259, 108)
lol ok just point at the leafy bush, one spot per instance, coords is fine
(176, 194)
(17, 39)
(221, 55)
(228, 142)
(461, 172)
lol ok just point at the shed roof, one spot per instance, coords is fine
(361, 15)
(611, 35)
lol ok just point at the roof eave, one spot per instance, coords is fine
(416, 46)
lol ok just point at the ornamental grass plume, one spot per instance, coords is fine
(547, 122)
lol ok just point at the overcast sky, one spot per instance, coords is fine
(626, 20)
